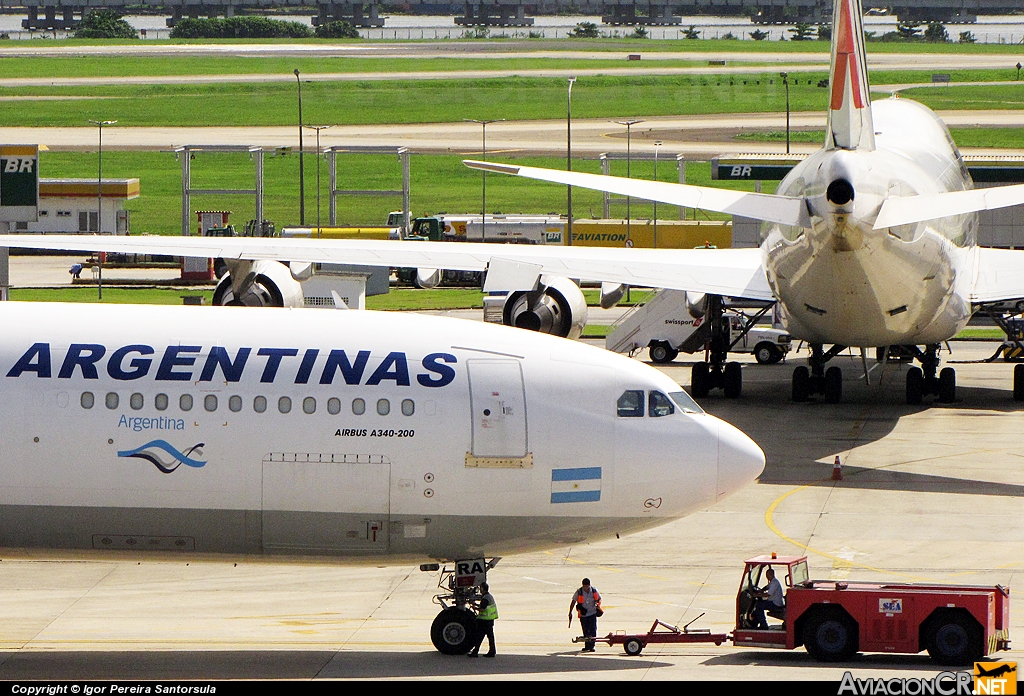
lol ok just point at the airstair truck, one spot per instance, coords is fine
(666, 326)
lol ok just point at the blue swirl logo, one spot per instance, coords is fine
(151, 452)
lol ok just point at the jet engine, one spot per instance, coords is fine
(556, 307)
(258, 284)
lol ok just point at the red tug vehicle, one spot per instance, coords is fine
(956, 624)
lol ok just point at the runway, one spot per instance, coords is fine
(930, 493)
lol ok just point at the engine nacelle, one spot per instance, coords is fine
(557, 307)
(258, 284)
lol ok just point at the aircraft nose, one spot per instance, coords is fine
(740, 460)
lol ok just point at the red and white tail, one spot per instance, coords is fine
(849, 113)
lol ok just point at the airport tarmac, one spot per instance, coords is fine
(930, 493)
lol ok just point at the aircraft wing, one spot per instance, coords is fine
(903, 210)
(1000, 275)
(729, 272)
(785, 210)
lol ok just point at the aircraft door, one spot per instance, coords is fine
(334, 503)
(498, 406)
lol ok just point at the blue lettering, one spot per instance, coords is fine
(274, 356)
(232, 370)
(140, 366)
(307, 365)
(352, 372)
(84, 355)
(36, 359)
(173, 359)
(400, 374)
(446, 374)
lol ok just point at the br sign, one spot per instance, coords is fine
(19, 183)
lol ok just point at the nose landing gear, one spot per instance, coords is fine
(453, 631)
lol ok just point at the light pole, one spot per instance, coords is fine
(657, 144)
(629, 125)
(302, 176)
(99, 200)
(785, 81)
(568, 155)
(483, 155)
(317, 129)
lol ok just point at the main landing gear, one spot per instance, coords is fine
(716, 372)
(815, 379)
(453, 631)
(921, 381)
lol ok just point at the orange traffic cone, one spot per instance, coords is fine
(837, 470)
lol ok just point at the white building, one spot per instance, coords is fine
(69, 206)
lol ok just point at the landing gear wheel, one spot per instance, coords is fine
(661, 352)
(955, 641)
(1018, 382)
(700, 380)
(801, 384)
(633, 646)
(830, 636)
(767, 354)
(833, 385)
(915, 386)
(452, 631)
(733, 380)
(947, 385)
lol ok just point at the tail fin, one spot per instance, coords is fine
(849, 113)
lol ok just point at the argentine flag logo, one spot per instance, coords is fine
(576, 485)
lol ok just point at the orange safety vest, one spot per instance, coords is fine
(581, 597)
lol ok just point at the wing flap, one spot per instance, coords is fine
(731, 272)
(785, 210)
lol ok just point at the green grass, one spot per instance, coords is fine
(440, 183)
(964, 137)
(980, 334)
(111, 295)
(447, 100)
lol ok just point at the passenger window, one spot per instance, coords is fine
(160, 401)
(309, 405)
(235, 403)
(408, 407)
(631, 404)
(383, 407)
(358, 407)
(334, 406)
(659, 405)
(210, 403)
(259, 404)
(136, 401)
(284, 404)
(185, 402)
(88, 400)
(112, 400)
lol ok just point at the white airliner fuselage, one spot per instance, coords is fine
(218, 430)
(841, 280)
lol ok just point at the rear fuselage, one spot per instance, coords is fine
(844, 282)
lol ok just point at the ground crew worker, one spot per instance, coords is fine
(770, 598)
(587, 602)
(486, 613)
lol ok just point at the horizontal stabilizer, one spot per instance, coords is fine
(904, 210)
(785, 210)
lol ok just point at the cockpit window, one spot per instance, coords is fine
(659, 405)
(685, 403)
(631, 404)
